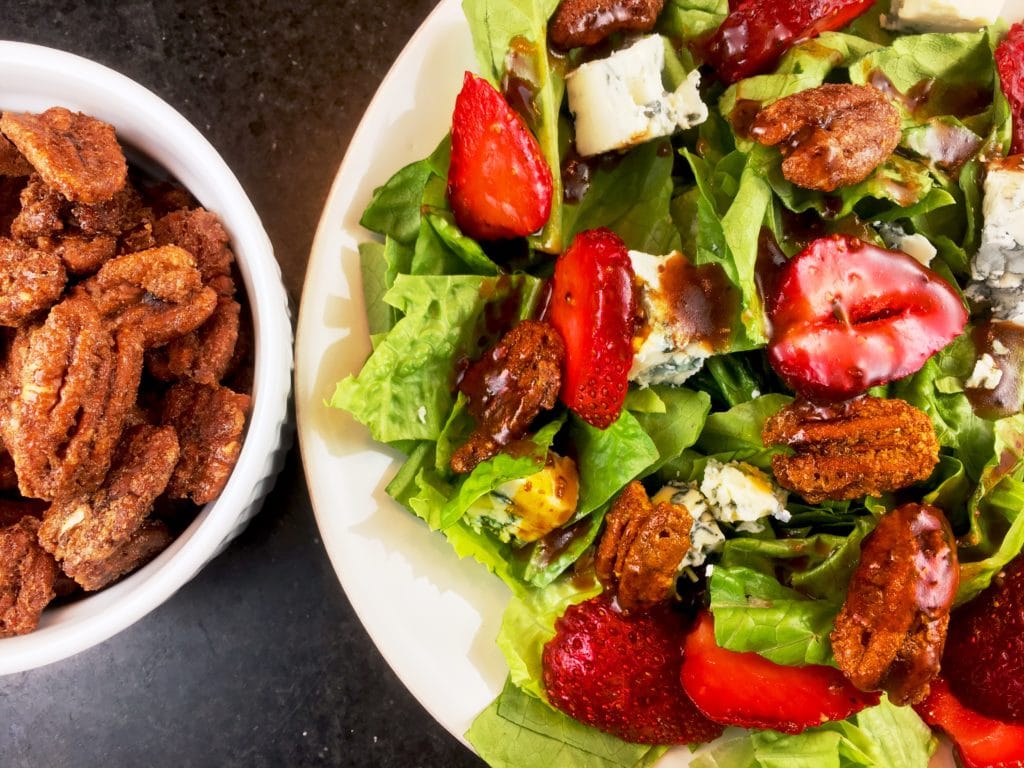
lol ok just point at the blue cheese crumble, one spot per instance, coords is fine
(738, 492)
(706, 538)
(620, 101)
(997, 270)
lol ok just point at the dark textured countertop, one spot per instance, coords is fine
(259, 661)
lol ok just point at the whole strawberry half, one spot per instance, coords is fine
(756, 33)
(748, 690)
(848, 315)
(981, 742)
(1010, 65)
(593, 307)
(984, 657)
(499, 184)
(620, 674)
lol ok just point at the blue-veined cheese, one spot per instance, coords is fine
(620, 101)
(526, 509)
(665, 351)
(997, 270)
(943, 15)
(917, 246)
(706, 538)
(738, 492)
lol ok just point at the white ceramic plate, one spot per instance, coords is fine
(432, 616)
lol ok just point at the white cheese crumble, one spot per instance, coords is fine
(620, 101)
(706, 537)
(665, 353)
(942, 15)
(986, 374)
(739, 492)
(998, 267)
(917, 246)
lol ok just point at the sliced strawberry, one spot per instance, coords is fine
(594, 309)
(756, 33)
(620, 674)
(984, 657)
(980, 741)
(748, 690)
(1010, 65)
(499, 184)
(848, 316)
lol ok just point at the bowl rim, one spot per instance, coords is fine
(169, 139)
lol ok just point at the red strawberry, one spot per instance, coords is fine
(980, 741)
(749, 690)
(984, 657)
(499, 184)
(849, 315)
(594, 309)
(620, 673)
(756, 33)
(1010, 64)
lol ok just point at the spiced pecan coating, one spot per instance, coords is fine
(205, 354)
(159, 292)
(75, 154)
(209, 420)
(11, 161)
(81, 254)
(27, 576)
(200, 233)
(506, 389)
(577, 23)
(41, 213)
(70, 383)
(31, 281)
(831, 136)
(152, 538)
(866, 446)
(642, 548)
(891, 630)
(83, 530)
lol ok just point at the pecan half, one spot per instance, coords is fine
(831, 136)
(588, 22)
(642, 548)
(30, 281)
(865, 446)
(27, 576)
(507, 388)
(891, 630)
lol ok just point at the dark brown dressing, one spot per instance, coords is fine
(702, 300)
(931, 98)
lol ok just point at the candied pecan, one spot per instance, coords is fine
(81, 255)
(41, 211)
(891, 630)
(27, 576)
(11, 161)
(30, 282)
(865, 446)
(70, 384)
(642, 548)
(587, 22)
(152, 538)
(508, 387)
(205, 354)
(209, 420)
(83, 530)
(75, 154)
(121, 213)
(200, 233)
(159, 292)
(831, 136)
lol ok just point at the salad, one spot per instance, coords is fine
(450, 289)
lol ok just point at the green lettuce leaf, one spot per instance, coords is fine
(678, 427)
(884, 736)
(404, 391)
(689, 20)
(631, 197)
(520, 731)
(738, 430)
(609, 458)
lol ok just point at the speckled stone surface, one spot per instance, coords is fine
(260, 660)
